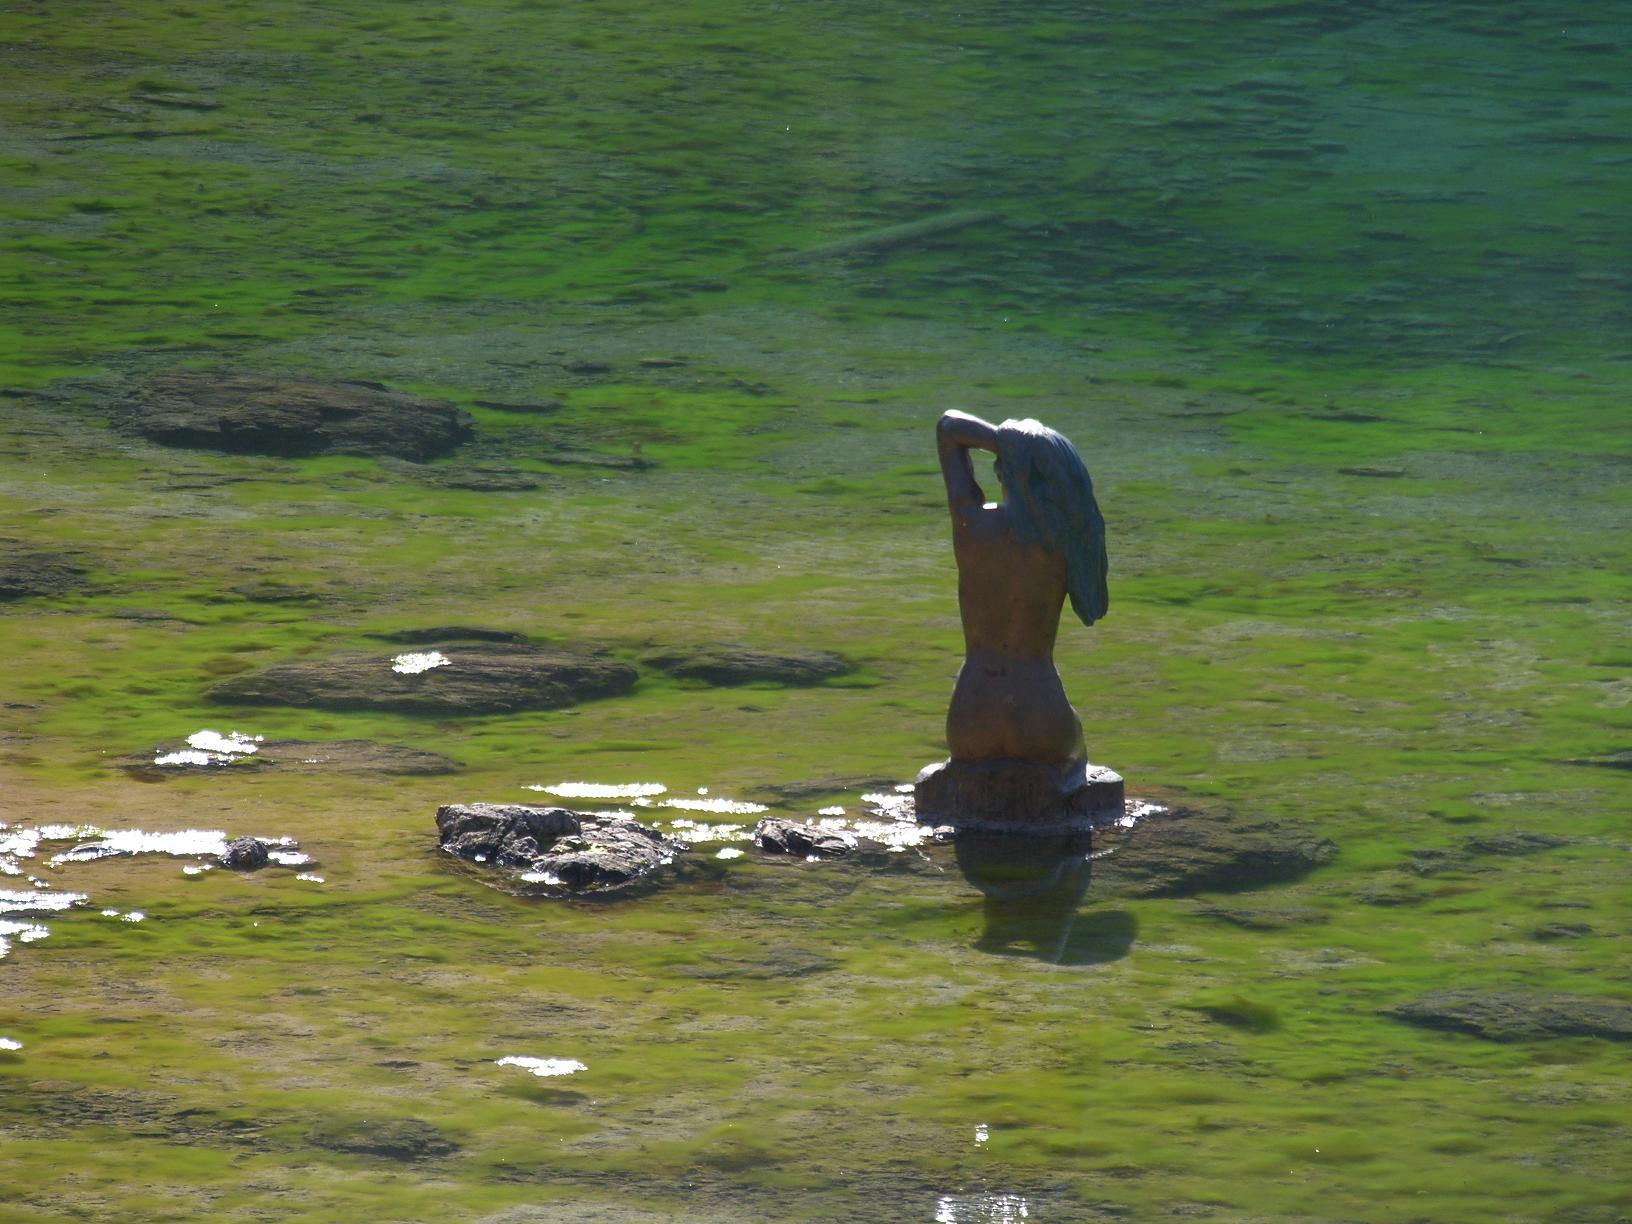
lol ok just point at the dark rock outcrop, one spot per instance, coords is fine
(1516, 1015)
(267, 414)
(245, 854)
(24, 574)
(728, 665)
(606, 853)
(790, 837)
(504, 834)
(1183, 851)
(490, 678)
(576, 852)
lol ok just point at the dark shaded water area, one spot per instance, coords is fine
(1334, 300)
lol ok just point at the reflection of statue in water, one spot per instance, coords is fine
(1032, 885)
(1017, 750)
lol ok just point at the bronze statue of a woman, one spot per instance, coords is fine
(1017, 748)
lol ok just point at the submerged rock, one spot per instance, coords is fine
(446, 634)
(728, 664)
(1515, 1015)
(390, 1138)
(576, 851)
(355, 756)
(1620, 758)
(790, 837)
(26, 574)
(1183, 851)
(1561, 930)
(1518, 842)
(266, 414)
(1263, 918)
(274, 592)
(245, 854)
(294, 756)
(490, 678)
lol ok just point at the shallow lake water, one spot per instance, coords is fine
(1333, 298)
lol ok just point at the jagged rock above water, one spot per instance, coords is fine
(267, 414)
(575, 851)
(1179, 852)
(1514, 1015)
(490, 678)
(726, 664)
(23, 574)
(245, 854)
(504, 834)
(790, 837)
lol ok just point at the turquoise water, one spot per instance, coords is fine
(1334, 302)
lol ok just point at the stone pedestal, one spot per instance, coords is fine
(1018, 795)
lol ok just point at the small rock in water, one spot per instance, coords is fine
(504, 834)
(577, 851)
(245, 854)
(790, 837)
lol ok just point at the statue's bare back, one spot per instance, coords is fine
(1008, 702)
(1018, 759)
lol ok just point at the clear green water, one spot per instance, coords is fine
(1240, 247)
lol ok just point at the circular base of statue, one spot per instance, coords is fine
(1024, 796)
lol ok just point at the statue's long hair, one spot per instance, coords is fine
(1050, 502)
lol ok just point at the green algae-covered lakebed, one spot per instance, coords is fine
(1334, 300)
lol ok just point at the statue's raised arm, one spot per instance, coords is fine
(1017, 749)
(955, 435)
